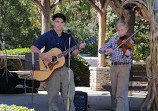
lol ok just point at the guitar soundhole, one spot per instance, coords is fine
(54, 59)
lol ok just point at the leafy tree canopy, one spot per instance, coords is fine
(82, 19)
(19, 21)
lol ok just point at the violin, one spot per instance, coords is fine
(124, 43)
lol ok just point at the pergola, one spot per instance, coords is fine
(124, 9)
(130, 10)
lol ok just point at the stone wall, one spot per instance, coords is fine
(99, 76)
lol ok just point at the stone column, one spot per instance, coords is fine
(99, 76)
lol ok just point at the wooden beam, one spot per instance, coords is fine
(94, 5)
(115, 8)
(117, 3)
(101, 39)
(106, 3)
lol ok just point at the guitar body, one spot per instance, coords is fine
(47, 69)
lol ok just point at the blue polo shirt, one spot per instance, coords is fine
(51, 40)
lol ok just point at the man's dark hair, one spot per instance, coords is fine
(59, 15)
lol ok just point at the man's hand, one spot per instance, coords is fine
(81, 46)
(109, 50)
(127, 53)
(47, 57)
(77, 51)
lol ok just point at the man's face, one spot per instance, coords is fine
(58, 24)
(122, 30)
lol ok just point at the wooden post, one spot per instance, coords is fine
(101, 40)
(102, 26)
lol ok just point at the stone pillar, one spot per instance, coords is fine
(99, 76)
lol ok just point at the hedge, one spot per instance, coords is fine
(4, 107)
(79, 66)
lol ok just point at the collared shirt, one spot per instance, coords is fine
(117, 55)
(51, 40)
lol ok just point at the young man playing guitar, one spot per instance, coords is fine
(60, 81)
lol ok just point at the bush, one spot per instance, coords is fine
(18, 51)
(79, 65)
(15, 64)
(4, 107)
(81, 71)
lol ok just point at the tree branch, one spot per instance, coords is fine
(140, 7)
(37, 3)
(94, 5)
(56, 3)
(136, 2)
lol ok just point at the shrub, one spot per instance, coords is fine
(79, 65)
(81, 71)
(4, 107)
(18, 51)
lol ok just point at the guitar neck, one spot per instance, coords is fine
(90, 40)
(67, 51)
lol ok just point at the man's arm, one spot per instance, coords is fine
(77, 51)
(106, 47)
(44, 56)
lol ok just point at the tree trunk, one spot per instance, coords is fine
(45, 15)
(152, 62)
(45, 10)
(130, 18)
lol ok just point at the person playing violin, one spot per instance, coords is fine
(120, 49)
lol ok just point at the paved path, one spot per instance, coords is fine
(97, 100)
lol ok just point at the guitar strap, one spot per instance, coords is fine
(64, 42)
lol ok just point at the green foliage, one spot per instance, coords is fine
(83, 22)
(141, 41)
(15, 64)
(81, 71)
(110, 24)
(4, 107)
(18, 51)
(19, 22)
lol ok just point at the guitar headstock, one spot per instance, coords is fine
(90, 40)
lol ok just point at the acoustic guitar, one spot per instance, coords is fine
(47, 69)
